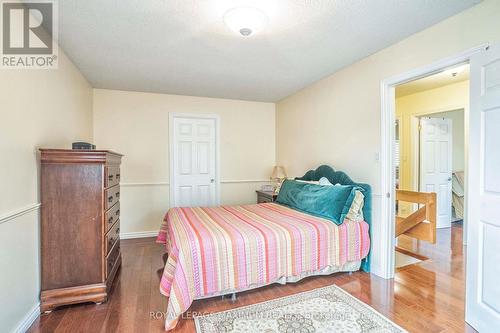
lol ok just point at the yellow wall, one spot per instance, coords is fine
(451, 101)
(136, 125)
(38, 108)
(431, 102)
(337, 120)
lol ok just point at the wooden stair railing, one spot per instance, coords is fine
(422, 223)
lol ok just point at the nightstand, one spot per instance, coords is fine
(266, 196)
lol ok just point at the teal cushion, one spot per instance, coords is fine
(329, 202)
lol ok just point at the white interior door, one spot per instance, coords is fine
(193, 161)
(483, 238)
(436, 164)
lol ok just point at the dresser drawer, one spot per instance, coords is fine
(112, 176)
(112, 196)
(112, 236)
(262, 199)
(112, 258)
(112, 215)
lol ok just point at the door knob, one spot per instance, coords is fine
(449, 179)
(212, 180)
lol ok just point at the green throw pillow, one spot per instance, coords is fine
(329, 202)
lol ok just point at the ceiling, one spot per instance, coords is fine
(183, 47)
(433, 81)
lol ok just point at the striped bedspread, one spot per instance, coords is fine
(227, 248)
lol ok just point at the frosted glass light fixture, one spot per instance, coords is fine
(245, 21)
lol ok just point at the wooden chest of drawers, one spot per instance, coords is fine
(266, 196)
(80, 225)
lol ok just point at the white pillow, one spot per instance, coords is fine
(356, 210)
(315, 182)
(324, 181)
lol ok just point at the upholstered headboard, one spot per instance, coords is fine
(339, 177)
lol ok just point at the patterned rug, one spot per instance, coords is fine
(328, 309)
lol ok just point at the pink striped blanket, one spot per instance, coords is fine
(212, 250)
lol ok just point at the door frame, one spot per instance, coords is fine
(216, 118)
(386, 239)
(415, 144)
(415, 155)
(449, 160)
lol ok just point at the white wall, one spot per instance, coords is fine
(38, 108)
(337, 120)
(136, 125)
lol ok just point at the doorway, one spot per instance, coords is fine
(482, 209)
(429, 151)
(194, 160)
(383, 260)
(449, 183)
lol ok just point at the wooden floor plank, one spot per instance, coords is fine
(423, 297)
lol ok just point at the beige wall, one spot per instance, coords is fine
(38, 108)
(337, 120)
(434, 103)
(136, 125)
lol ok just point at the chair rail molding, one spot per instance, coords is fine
(19, 212)
(236, 181)
(138, 234)
(227, 181)
(144, 184)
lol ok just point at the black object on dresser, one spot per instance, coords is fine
(82, 145)
(80, 227)
(263, 196)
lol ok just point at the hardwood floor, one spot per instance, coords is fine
(424, 297)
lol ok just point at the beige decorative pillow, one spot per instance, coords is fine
(356, 210)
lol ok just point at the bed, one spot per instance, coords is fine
(214, 251)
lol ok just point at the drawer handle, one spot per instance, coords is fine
(110, 199)
(110, 177)
(110, 220)
(117, 230)
(117, 194)
(117, 176)
(117, 212)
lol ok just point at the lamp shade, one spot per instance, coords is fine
(279, 172)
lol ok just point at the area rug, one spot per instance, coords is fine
(328, 309)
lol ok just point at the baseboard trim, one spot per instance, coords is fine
(20, 212)
(28, 319)
(138, 234)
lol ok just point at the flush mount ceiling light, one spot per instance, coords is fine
(245, 21)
